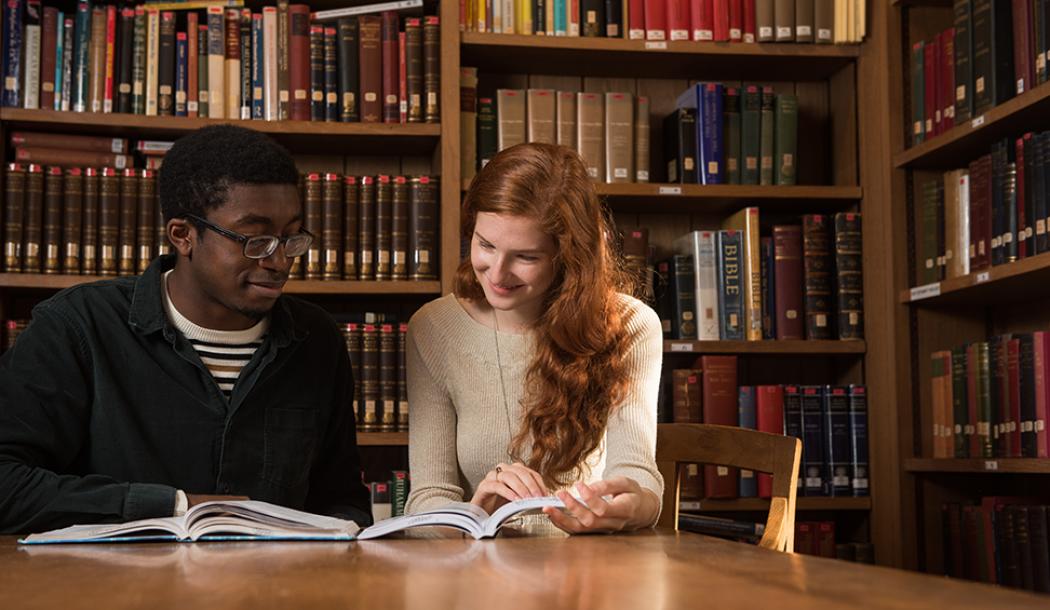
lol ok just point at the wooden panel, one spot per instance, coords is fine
(842, 113)
(417, 166)
(662, 95)
(609, 85)
(372, 166)
(766, 347)
(815, 133)
(558, 83)
(320, 163)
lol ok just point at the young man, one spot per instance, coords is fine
(126, 398)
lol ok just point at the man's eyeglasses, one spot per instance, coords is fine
(263, 246)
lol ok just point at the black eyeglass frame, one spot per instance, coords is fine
(245, 239)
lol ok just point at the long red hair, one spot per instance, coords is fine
(578, 374)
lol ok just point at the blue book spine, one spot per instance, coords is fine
(181, 73)
(258, 73)
(858, 420)
(80, 57)
(59, 54)
(837, 458)
(793, 419)
(560, 27)
(13, 44)
(709, 124)
(746, 418)
(68, 33)
(812, 440)
(730, 300)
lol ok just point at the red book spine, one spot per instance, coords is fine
(1041, 343)
(1024, 232)
(700, 19)
(719, 388)
(769, 415)
(1024, 73)
(389, 41)
(1013, 380)
(749, 21)
(678, 19)
(636, 19)
(48, 48)
(656, 19)
(736, 20)
(402, 78)
(299, 61)
(787, 269)
(111, 57)
(946, 79)
(720, 20)
(931, 108)
(191, 63)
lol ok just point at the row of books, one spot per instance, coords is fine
(991, 398)
(377, 354)
(12, 328)
(1003, 540)
(68, 150)
(733, 284)
(749, 21)
(993, 212)
(817, 538)
(995, 49)
(389, 497)
(831, 422)
(230, 63)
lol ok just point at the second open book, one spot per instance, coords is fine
(254, 520)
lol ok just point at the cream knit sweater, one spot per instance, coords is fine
(459, 426)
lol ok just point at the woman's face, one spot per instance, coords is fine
(513, 261)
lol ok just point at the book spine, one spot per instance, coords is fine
(316, 88)
(203, 68)
(138, 62)
(766, 141)
(349, 69)
(767, 266)
(730, 301)
(181, 73)
(331, 76)
(366, 229)
(590, 122)
(709, 124)
(746, 418)
(259, 85)
(817, 279)
(431, 69)
(332, 205)
(351, 194)
(63, 102)
(680, 145)
(31, 55)
(488, 126)
(51, 54)
(312, 214)
(849, 283)
(369, 378)
(152, 66)
(84, 185)
(918, 89)
(247, 59)
(764, 20)
(824, 21)
(731, 107)
(384, 221)
(804, 16)
(126, 39)
(540, 116)
(371, 69)
(684, 295)
(108, 218)
(127, 231)
(387, 404)
(813, 441)
(97, 59)
(837, 457)
(283, 61)
(80, 91)
(216, 63)
(232, 63)
(402, 379)
(110, 59)
(422, 229)
(51, 238)
(946, 79)
(960, 442)
(414, 69)
(468, 119)
(14, 46)
(269, 54)
(14, 217)
(788, 271)
(145, 213)
(33, 223)
(931, 73)
(750, 134)
(784, 20)
(786, 140)
(399, 230)
(619, 135)
(793, 425)
(963, 95)
(390, 60)
(166, 68)
(719, 390)
(769, 418)
(641, 139)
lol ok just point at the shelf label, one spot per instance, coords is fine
(656, 45)
(670, 190)
(681, 347)
(981, 277)
(991, 465)
(924, 292)
(974, 124)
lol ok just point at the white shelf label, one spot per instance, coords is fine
(981, 277)
(925, 292)
(681, 347)
(991, 465)
(656, 45)
(670, 190)
(974, 124)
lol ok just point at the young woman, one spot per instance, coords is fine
(537, 375)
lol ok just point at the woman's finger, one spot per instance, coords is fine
(531, 478)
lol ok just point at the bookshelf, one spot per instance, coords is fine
(759, 505)
(804, 347)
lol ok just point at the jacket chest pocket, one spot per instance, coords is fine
(290, 445)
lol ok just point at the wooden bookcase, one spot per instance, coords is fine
(1003, 299)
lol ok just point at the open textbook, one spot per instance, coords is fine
(255, 520)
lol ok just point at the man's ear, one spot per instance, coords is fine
(182, 234)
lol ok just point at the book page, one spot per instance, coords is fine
(462, 522)
(257, 516)
(518, 507)
(166, 528)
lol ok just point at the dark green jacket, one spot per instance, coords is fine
(106, 410)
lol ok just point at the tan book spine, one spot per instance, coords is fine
(510, 117)
(784, 20)
(422, 228)
(566, 116)
(108, 220)
(313, 224)
(88, 181)
(97, 59)
(71, 187)
(957, 222)
(51, 238)
(540, 115)
(14, 213)
(399, 231)
(232, 63)
(619, 137)
(33, 246)
(746, 221)
(366, 229)
(764, 21)
(146, 221)
(590, 131)
(384, 218)
(152, 62)
(351, 193)
(216, 63)
(823, 21)
(127, 221)
(270, 91)
(804, 21)
(641, 139)
(332, 226)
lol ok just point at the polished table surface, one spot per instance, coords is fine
(644, 570)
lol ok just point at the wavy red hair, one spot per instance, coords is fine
(578, 374)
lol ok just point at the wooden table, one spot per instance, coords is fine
(646, 570)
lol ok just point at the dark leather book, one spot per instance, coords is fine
(1025, 216)
(127, 221)
(1027, 398)
(963, 60)
(767, 269)
(299, 62)
(312, 223)
(721, 527)
(951, 523)
(100, 144)
(730, 286)
(750, 134)
(746, 416)
(202, 70)
(108, 220)
(784, 20)
(804, 20)
(719, 392)
(399, 230)
(1023, 45)
(680, 146)
(146, 230)
(766, 137)
(592, 13)
(664, 297)
(793, 423)
(349, 69)
(369, 379)
(1009, 551)
(825, 539)
(918, 89)
(1011, 398)
(166, 65)
(316, 73)
(849, 275)
(351, 194)
(352, 335)
(33, 223)
(930, 69)
(138, 63)
(636, 258)
(993, 61)
(837, 441)
(71, 188)
(1023, 544)
(432, 69)
(387, 406)
(87, 183)
(980, 213)
(331, 75)
(48, 48)
(68, 157)
(960, 404)
(402, 379)
(813, 470)
(283, 61)
(388, 37)
(769, 417)
(999, 218)
(14, 204)
(366, 229)
(785, 142)
(384, 224)
(148, 191)
(332, 205)
(817, 276)
(422, 228)
(487, 130)
(51, 238)
(946, 79)
(683, 287)
(805, 537)
(296, 272)
(371, 68)
(181, 73)
(1040, 547)
(193, 64)
(1041, 187)
(685, 396)
(788, 282)
(614, 18)
(414, 69)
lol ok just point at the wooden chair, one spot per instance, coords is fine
(737, 447)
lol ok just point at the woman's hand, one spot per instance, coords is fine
(628, 507)
(506, 483)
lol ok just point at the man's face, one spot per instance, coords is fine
(232, 291)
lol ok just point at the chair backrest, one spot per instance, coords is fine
(738, 447)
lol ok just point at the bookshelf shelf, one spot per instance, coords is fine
(724, 198)
(765, 347)
(966, 142)
(382, 439)
(1024, 279)
(761, 504)
(615, 57)
(58, 282)
(333, 138)
(986, 465)
(941, 3)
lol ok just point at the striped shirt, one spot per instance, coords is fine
(224, 352)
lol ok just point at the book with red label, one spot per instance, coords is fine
(1011, 427)
(719, 390)
(769, 401)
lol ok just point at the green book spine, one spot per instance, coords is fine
(786, 140)
(732, 135)
(765, 173)
(960, 404)
(984, 406)
(400, 492)
(750, 134)
(918, 87)
(486, 131)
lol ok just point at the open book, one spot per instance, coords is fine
(221, 520)
(462, 516)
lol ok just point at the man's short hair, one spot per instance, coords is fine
(201, 167)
